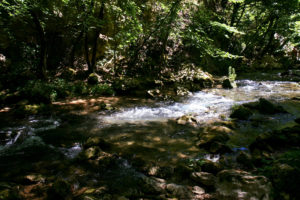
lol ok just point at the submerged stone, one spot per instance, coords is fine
(240, 185)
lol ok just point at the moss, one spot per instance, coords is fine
(241, 112)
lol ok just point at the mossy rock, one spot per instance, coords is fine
(266, 107)
(241, 113)
(69, 74)
(93, 79)
(228, 84)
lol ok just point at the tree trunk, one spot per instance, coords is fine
(234, 13)
(271, 37)
(173, 16)
(42, 71)
(95, 39)
(74, 47)
(86, 52)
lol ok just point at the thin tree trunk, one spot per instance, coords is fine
(74, 47)
(95, 40)
(234, 13)
(173, 16)
(43, 48)
(271, 38)
(86, 52)
(241, 16)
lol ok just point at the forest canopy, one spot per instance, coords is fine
(40, 40)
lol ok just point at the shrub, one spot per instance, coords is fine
(101, 89)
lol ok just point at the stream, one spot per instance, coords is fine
(151, 126)
(149, 130)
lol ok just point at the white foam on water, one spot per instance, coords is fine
(208, 104)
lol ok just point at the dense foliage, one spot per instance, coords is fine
(132, 38)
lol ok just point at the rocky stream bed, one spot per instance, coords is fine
(238, 144)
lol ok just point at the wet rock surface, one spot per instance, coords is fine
(237, 184)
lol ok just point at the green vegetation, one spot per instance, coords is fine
(107, 42)
(63, 135)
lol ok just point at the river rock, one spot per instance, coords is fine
(97, 141)
(240, 185)
(187, 120)
(277, 139)
(241, 113)
(91, 153)
(213, 139)
(219, 148)
(33, 178)
(228, 84)
(204, 178)
(219, 130)
(264, 106)
(60, 189)
(245, 160)
(286, 180)
(179, 191)
(211, 167)
(161, 172)
(152, 185)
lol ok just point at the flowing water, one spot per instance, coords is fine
(150, 130)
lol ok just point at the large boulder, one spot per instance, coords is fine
(228, 84)
(241, 113)
(264, 106)
(240, 185)
(276, 140)
(286, 180)
(213, 139)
